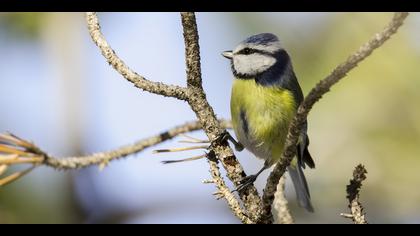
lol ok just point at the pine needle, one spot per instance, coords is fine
(9, 179)
(183, 160)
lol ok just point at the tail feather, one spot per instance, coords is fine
(301, 187)
(304, 157)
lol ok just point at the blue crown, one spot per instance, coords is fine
(264, 39)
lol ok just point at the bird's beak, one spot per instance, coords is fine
(227, 54)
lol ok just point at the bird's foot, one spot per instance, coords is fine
(226, 136)
(245, 182)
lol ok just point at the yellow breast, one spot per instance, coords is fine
(261, 116)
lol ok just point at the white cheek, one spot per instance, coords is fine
(252, 64)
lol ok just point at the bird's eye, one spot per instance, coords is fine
(246, 51)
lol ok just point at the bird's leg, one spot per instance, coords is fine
(225, 136)
(250, 179)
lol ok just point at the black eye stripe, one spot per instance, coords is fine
(248, 51)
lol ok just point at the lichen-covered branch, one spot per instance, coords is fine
(353, 189)
(119, 65)
(192, 50)
(280, 205)
(224, 191)
(105, 157)
(14, 150)
(314, 95)
(205, 114)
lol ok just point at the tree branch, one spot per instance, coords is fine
(14, 150)
(192, 50)
(225, 192)
(119, 65)
(280, 205)
(314, 95)
(353, 189)
(206, 116)
(105, 157)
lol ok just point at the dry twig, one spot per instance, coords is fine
(353, 189)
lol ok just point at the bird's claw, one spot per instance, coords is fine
(224, 137)
(245, 182)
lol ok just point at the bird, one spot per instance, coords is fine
(265, 96)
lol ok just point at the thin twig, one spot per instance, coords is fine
(314, 95)
(119, 65)
(353, 189)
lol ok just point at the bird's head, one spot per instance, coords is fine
(254, 55)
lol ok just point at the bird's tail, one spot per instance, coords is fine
(301, 187)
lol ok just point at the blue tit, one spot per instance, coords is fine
(264, 99)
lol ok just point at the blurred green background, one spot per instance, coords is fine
(57, 90)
